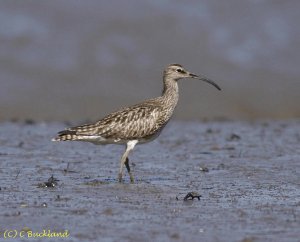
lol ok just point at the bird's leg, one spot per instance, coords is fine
(128, 169)
(129, 147)
(123, 160)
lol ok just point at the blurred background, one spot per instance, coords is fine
(79, 60)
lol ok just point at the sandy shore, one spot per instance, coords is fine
(248, 176)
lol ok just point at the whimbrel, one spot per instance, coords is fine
(139, 123)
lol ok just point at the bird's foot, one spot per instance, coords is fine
(131, 178)
(120, 178)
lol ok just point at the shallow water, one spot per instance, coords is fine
(250, 192)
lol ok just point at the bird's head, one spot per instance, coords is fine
(176, 72)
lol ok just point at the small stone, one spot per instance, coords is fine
(234, 137)
(191, 196)
(203, 169)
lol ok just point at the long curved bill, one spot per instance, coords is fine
(202, 78)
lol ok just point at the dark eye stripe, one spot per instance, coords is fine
(180, 70)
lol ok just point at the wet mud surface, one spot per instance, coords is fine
(247, 174)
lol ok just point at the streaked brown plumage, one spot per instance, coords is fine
(140, 123)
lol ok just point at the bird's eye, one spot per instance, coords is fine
(180, 70)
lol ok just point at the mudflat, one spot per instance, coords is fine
(247, 175)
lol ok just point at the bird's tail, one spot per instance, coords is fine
(66, 135)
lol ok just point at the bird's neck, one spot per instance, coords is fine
(170, 93)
